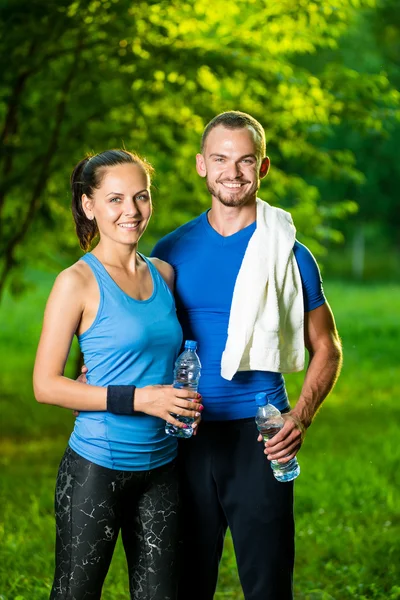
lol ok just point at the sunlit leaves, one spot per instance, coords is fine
(149, 75)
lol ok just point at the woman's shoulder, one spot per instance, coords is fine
(166, 271)
(71, 290)
(75, 278)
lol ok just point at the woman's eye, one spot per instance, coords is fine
(115, 199)
(142, 197)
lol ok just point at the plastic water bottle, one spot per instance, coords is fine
(186, 376)
(269, 422)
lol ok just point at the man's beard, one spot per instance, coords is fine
(234, 200)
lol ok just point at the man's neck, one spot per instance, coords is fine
(228, 220)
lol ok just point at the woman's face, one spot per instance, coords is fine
(122, 204)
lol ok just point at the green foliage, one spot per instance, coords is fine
(85, 76)
(347, 513)
(371, 46)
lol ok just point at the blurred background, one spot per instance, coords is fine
(323, 78)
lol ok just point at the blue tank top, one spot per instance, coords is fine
(131, 342)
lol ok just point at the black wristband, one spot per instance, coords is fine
(120, 399)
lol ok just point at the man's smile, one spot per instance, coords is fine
(233, 185)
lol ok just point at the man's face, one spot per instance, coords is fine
(231, 165)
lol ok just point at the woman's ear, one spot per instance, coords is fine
(87, 207)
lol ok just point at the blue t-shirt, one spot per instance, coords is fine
(131, 342)
(206, 267)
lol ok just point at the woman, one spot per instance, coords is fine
(118, 471)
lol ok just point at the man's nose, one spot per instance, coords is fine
(233, 170)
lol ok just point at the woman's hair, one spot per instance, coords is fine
(86, 177)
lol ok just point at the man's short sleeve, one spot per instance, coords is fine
(313, 293)
(161, 250)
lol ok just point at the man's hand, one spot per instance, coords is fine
(81, 379)
(196, 423)
(287, 442)
(162, 400)
(82, 376)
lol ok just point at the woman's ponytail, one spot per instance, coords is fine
(86, 229)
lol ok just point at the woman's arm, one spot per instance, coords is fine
(62, 316)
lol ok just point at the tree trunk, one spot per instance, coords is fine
(43, 176)
(11, 122)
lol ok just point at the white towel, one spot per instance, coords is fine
(266, 322)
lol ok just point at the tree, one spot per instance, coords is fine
(85, 76)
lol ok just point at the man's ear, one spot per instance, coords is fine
(87, 207)
(265, 164)
(201, 165)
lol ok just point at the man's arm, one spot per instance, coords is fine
(323, 344)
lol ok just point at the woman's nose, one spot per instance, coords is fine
(130, 208)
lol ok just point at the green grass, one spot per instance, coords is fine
(347, 506)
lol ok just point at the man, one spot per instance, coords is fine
(226, 479)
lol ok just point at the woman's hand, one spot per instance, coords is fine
(162, 400)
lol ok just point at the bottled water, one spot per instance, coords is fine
(269, 422)
(186, 376)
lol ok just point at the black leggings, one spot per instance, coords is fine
(92, 504)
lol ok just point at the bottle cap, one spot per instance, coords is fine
(261, 399)
(190, 345)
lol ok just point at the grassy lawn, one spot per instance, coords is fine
(347, 504)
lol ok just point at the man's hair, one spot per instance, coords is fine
(235, 119)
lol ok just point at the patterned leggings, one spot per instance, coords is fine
(92, 504)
